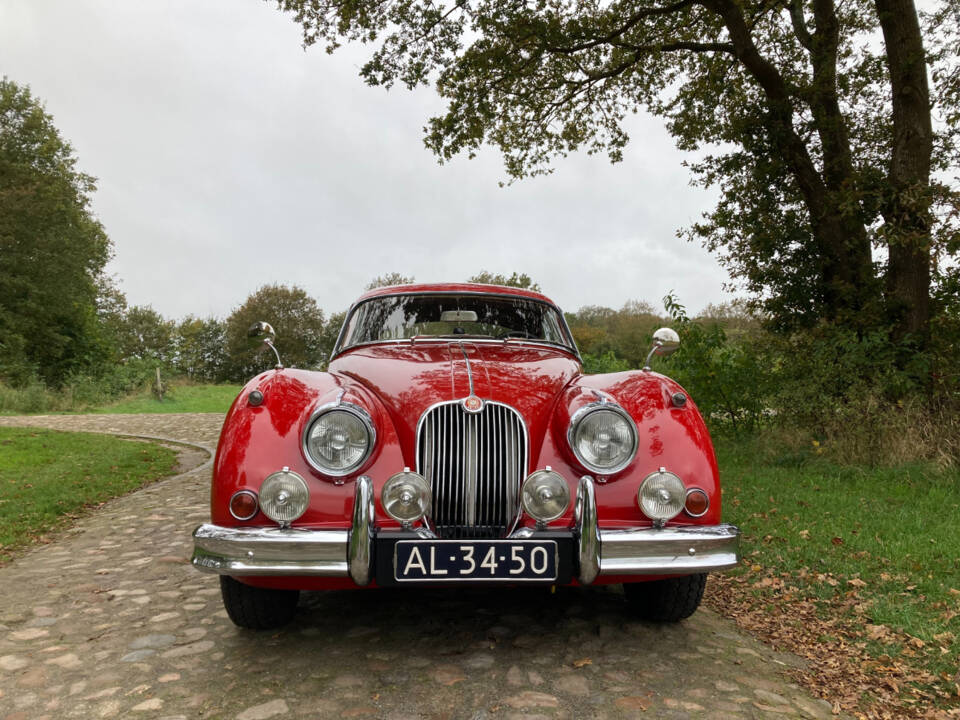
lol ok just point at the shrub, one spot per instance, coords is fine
(726, 377)
(607, 362)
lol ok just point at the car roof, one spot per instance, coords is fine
(454, 288)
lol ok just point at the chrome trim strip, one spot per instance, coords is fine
(359, 554)
(581, 414)
(670, 550)
(469, 369)
(589, 543)
(356, 410)
(270, 551)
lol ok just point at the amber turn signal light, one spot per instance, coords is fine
(244, 505)
(697, 503)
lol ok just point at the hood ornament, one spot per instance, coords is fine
(472, 404)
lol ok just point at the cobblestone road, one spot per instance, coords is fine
(110, 621)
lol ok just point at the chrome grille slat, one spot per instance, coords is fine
(474, 464)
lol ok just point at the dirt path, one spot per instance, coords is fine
(111, 621)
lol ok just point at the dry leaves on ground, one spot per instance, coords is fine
(825, 633)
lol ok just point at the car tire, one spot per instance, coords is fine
(667, 600)
(257, 608)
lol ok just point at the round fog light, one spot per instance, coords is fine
(406, 497)
(284, 496)
(243, 504)
(661, 496)
(545, 495)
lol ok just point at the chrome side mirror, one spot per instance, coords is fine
(665, 341)
(262, 334)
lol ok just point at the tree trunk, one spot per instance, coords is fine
(906, 213)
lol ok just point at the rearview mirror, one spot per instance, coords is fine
(458, 316)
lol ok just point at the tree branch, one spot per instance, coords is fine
(631, 22)
(800, 24)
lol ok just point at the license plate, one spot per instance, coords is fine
(445, 560)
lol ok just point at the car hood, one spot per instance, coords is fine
(410, 378)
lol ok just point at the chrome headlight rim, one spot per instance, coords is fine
(584, 412)
(355, 410)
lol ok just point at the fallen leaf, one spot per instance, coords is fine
(837, 540)
(856, 582)
(582, 662)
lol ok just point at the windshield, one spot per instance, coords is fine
(399, 317)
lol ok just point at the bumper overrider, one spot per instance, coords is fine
(586, 551)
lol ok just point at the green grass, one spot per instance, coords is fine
(48, 478)
(179, 399)
(880, 544)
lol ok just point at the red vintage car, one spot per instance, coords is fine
(455, 439)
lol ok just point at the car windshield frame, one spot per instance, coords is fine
(570, 344)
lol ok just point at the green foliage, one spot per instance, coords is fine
(53, 249)
(302, 334)
(201, 349)
(813, 525)
(726, 378)
(143, 334)
(388, 280)
(47, 477)
(608, 362)
(816, 134)
(179, 397)
(625, 333)
(521, 280)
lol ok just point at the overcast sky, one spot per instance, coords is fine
(228, 157)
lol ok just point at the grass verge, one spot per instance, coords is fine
(858, 569)
(178, 399)
(48, 478)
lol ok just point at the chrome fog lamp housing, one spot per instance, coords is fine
(406, 497)
(603, 437)
(661, 496)
(338, 439)
(545, 495)
(284, 496)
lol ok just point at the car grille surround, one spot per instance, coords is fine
(475, 464)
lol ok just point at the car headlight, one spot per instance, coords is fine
(661, 496)
(338, 439)
(406, 497)
(545, 495)
(284, 496)
(603, 437)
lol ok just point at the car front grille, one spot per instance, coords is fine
(474, 463)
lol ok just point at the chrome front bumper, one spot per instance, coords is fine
(348, 553)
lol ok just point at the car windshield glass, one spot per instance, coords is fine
(399, 317)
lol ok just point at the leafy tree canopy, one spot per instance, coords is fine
(518, 280)
(53, 249)
(811, 117)
(301, 332)
(392, 278)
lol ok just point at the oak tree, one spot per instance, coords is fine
(813, 118)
